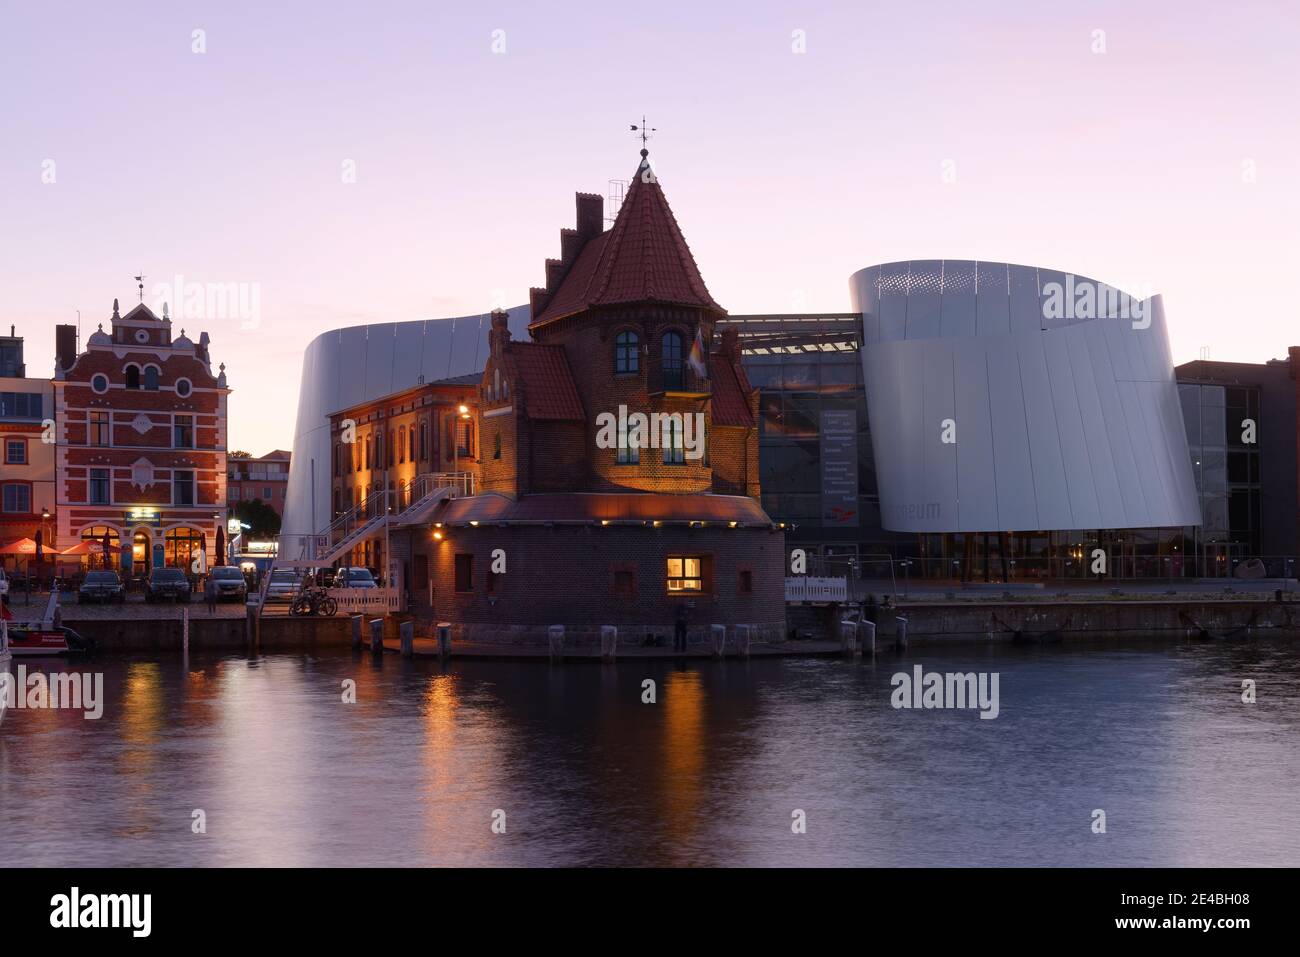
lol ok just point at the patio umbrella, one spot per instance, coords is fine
(19, 546)
(84, 547)
(221, 545)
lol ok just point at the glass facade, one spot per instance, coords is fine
(818, 476)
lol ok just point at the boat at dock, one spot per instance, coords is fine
(44, 638)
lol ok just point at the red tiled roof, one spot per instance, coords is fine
(642, 258)
(731, 391)
(598, 506)
(543, 373)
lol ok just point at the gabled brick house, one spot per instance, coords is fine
(590, 525)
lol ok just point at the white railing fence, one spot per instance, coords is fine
(804, 588)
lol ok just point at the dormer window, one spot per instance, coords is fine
(627, 353)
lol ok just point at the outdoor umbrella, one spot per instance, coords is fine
(20, 546)
(221, 546)
(85, 547)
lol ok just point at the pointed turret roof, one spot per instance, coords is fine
(642, 258)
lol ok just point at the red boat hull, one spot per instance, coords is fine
(35, 641)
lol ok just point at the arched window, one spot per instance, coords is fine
(410, 443)
(424, 440)
(132, 377)
(401, 445)
(672, 360)
(368, 460)
(627, 352)
(151, 378)
(180, 546)
(496, 446)
(95, 557)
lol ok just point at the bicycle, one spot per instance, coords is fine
(314, 601)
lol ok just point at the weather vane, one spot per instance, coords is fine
(140, 281)
(644, 130)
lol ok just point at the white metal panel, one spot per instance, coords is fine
(1097, 448)
(1069, 422)
(1054, 509)
(958, 307)
(993, 305)
(976, 468)
(1017, 496)
(1026, 313)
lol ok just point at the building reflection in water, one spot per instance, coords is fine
(143, 708)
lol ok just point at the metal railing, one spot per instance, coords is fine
(667, 377)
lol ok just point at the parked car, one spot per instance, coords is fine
(283, 585)
(101, 586)
(167, 583)
(230, 582)
(354, 578)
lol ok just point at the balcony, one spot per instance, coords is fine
(676, 379)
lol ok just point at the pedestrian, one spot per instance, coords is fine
(210, 595)
(679, 628)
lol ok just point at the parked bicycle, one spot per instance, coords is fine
(314, 601)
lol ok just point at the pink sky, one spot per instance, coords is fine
(786, 171)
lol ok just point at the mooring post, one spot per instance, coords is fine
(743, 635)
(444, 639)
(185, 631)
(718, 637)
(555, 642)
(407, 632)
(356, 632)
(608, 642)
(900, 633)
(377, 635)
(848, 636)
(869, 638)
(252, 625)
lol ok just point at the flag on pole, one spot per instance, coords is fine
(696, 358)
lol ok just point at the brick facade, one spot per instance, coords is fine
(141, 442)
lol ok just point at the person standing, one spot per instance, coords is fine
(679, 628)
(210, 594)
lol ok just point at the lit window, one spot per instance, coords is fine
(684, 574)
(98, 426)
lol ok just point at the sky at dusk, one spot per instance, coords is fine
(1167, 163)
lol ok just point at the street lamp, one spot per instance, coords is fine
(462, 412)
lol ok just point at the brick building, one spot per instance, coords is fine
(264, 479)
(27, 500)
(617, 455)
(386, 444)
(141, 453)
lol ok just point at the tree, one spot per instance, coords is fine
(263, 519)
(239, 454)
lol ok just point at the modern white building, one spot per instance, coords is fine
(345, 367)
(1004, 397)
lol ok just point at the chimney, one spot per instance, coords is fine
(731, 344)
(499, 334)
(591, 215)
(65, 346)
(555, 270)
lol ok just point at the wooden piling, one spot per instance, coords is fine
(356, 632)
(900, 633)
(377, 636)
(406, 630)
(555, 641)
(444, 639)
(608, 642)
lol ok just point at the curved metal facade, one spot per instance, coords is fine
(345, 366)
(991, 411)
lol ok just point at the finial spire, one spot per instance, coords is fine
(645, 132)
(115, 315)
(140, 281)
